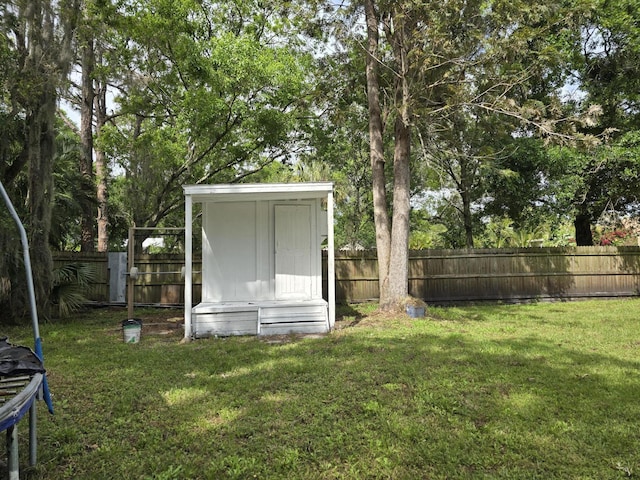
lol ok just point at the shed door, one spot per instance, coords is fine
(293, 252)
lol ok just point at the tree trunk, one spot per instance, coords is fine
(392, 237)
(467, 220)
(465, 195)
(40, 108)
(46, 62)
(398, 286)
(376, 153)
(87, 188)
(40, 145)
(399, 262)
(102, 173)
(582, 224)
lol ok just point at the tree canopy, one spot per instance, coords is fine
(441, 123)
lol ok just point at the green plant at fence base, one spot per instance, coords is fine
(70, 283)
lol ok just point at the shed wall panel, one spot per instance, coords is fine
(229, 268)
(293, 252)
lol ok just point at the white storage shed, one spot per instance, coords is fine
(261, 259)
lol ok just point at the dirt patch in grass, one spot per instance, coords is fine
(167, 327)
(374, 319)
(155, 321)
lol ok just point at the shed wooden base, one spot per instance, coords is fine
(260, 318)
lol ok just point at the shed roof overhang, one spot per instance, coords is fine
(257, 191)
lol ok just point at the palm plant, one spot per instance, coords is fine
(70, 283)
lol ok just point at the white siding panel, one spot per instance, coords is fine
(229, 267)
(226, 323)
(293, 318)
(305, 328)
(293, 252)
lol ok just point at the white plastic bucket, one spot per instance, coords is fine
(131, 330)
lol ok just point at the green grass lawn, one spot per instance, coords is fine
(539, 391)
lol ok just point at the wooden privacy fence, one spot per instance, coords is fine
(153, 284)
(438, 276)
(452, 276)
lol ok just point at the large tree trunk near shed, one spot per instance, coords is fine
(87, 188)
(102, 173)
(376, 153)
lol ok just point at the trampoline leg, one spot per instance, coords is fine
(13, 464)
(33, 435)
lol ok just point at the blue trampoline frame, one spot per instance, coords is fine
(24, 401)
